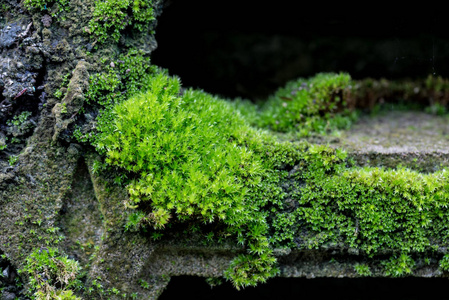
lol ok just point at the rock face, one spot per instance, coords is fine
(47, 196)
(50, 195)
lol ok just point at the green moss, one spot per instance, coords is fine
(18, 120)
(52, 276)
(399, 266)
(128, 74)
(123, 77)
(42, 4)
(65, 82)
(362, 269)
(444, 263)
(436, 109)
(192, 157)
(111, 17)
(370, 209)
(54, 8)
(316, 105)
(13, 159)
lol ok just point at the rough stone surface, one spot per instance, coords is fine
(409, 138)
(46, 193)
(8, 296)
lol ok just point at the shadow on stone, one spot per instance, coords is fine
(81, 219)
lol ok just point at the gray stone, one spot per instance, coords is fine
(8, 35)
(8, 296)
(412, 139)
(5, 272)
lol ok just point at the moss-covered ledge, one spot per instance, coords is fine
(324, 215)
(331, 217)
(144, 264)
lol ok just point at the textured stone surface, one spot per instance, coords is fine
(410, 138)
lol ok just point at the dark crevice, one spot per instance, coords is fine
(11, 286)
(238, 48)
(18, 134)
(40, 85)
(15, 136)
(190, 287)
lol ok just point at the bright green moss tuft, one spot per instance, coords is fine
(444, 263)
(399, 266)
(362, 269)
(36, 4)
(184, 156)
(193, 157)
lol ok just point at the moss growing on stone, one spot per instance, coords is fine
(362, 269)
(316, 105)
(52, 276)
(111, 17)
(370, 209)
(194, 157)
(42, 4)
(269, 196)
(444, 263)
(399, 265)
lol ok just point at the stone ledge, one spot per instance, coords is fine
(413, 139)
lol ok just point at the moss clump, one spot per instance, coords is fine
(52, 276)
(316, 105)
(444, 263)
(192, 157)
(55, 8)
(111, 17)
(42, 4)
(371, 208)
(398, 266)
(122, 77)
(189, 159)
(362, 269)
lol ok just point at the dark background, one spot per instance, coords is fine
(190, 287)
(249, 49)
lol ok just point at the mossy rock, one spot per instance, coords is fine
(222, 188)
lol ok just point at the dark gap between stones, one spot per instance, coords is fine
(245, 49)
(191, 287)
